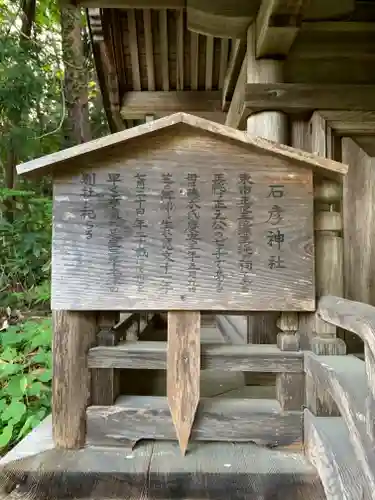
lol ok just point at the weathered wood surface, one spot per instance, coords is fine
(144, 417)
(233, 328)
(302, 158)
(105, 384)
(205, 225)
(73, 335)
(300, 97)
(355, 317)
(359, 231)
(157, 470)
(329, 449)
(344, 377)
(183, 371)
(152, 355)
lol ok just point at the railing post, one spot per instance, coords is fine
(289, 386)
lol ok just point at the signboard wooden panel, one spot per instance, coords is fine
(211, 232)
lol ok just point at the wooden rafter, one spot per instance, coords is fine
(234, 67)
(180, 50)
(133, 46)
(194, 60)
(163, 35)
(209, 61)
(149, 49)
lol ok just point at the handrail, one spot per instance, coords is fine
(356, 317)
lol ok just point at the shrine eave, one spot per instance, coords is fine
(46, 164)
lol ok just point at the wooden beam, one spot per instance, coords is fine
(149, 49)
(153, 356)
(237, 112)
(133, 4)
(218, 419)
(233, 70)
(183, 371)
(138, 104)
(294, 97)
(277, 25)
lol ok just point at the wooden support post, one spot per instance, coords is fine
(74, 334)
(183, 371)
(105, 383)
(271, 125)
(289, 386)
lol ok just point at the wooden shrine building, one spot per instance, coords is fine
(213, 259)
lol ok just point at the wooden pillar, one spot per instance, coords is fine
(74, 334)
(271, 125)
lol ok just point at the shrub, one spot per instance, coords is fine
(25, 379)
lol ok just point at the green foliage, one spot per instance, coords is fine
(26, 249)
(25, 379)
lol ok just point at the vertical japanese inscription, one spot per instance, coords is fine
(167, 199)
(88, 213)
(244, 230)
(219, 224)
(140, 224)
(114, 237)
(275, 237)
(193, 230)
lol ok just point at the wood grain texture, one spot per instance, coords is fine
(233, 328)
(329, 449)
(152, 356)
(344, 377)
(359, 216)
(327, 167)
(298, 97)
(142, 417)
(73, 335)
(183, 371)
(196, 223)
(105, 384)
(158, 471)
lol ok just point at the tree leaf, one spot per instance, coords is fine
(6, 435)
(14, 411)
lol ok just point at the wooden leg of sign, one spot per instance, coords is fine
(183, 371)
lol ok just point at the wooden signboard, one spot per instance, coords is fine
(183, 222)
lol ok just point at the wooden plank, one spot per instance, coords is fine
(209, 61)
(194, 60)
(137, 104)
(224, 48)
(277, 25)
(192, 280)
(134, 4)
(180, 61)
(344, 377)
(326, 167)
(133, 45)
(183, 372)
(163, 34)
(294, 97)
(73, 334)
(142, 417)
(152, 356)
(329, 449)
(149, 50)
(238, 112)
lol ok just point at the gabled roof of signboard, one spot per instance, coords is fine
(47, 163)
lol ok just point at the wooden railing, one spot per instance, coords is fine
(351, 385)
